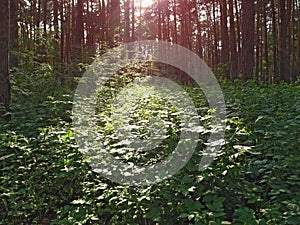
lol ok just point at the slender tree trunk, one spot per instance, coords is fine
(283, 48)
(4, 53)
(159, 19)
(168, 27)
(14, 35)
(293, 45)
(298, 42)
(275, 45)
(45, 11)
(257, 41)
(224, 32)
(266, 42)
(238, 26)
(68, 25)
(38, 15)
(233, 45)
(175, 37)
(62, 33)
(199, 35)
(114, 22)
(79, 31)
(216, 57)
(103, 28)
(132, 21)
(127, 21)
(247, 51)
(189, 28)
(55, 19)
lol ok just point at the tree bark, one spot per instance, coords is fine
(247, 51)
(284, 70)
(14, 33)
(114, 22)
(127, 21)
(4, 53)
(79, 31)
(175, 36)
(266, 42)
(133, 38)
(275, 45)
(224, 37)
(233, 45)
(298, 43)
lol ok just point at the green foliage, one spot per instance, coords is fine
(255, 179)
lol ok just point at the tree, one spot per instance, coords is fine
(266, 42)
(284, 57)
(298, 43)
(127, 21)
(233, 45)
(14, 35)
(224, 32)
(247, 51)
(79, 30)
(114, 21)
(4, 54)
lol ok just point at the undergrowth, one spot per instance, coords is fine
(255, 178)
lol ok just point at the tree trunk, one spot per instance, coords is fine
(4, 53)
(238, 28)
(266, 42)
(199, 35)
(233, 45)
(298, 43)
(284, 70)
(14, 33)
(247, 51)
(159, 19)
(175, 37)
(62, 33)
(275, 45)
(45, 11)
(293, 44)
(224, 37)
(132, 21)
(79, 31)
(127, 21)
(114, 22)
(216, 57)
(257, 41)
(55, 19)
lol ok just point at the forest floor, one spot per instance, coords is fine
(255, 178)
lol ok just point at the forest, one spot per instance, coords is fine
(223, 149)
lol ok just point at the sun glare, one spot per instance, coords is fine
(146, 3)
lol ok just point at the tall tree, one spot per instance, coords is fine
(274, 38)
(216, 57)
(55, 19)
(224, 33)
(4, 54)
(266, 42)
(175, 36)
(233, 45)
(298, 42)
(132, 21)
(79, 30)
(284, 57)
(258, 39)
(159, 12)
(247, 51)
(114, 22)
(14, 35)
(127, 21)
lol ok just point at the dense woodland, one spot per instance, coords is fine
(253, 48)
